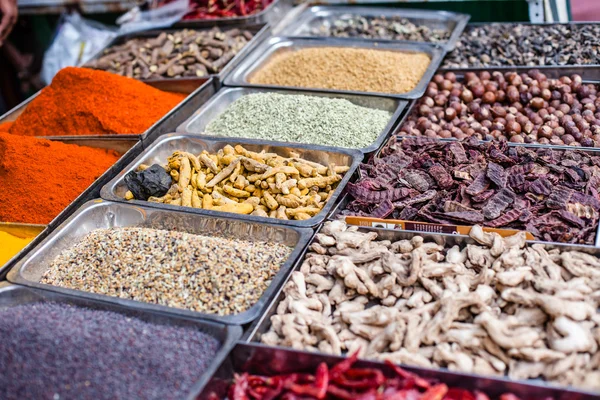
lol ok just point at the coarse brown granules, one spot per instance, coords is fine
(340, 68)
(214, 275)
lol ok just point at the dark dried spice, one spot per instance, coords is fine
(513, 187)
(374, 197)
(383, 210)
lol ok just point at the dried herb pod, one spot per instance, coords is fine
(185, 53)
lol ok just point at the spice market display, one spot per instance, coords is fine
(454, 197)
(344, 68)
(174, 55)
(323, 121)
(236, 180)
(521, 108)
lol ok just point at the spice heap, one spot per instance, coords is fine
(51, 350)
(344, 68)
(488, 308)
(11, 245)
(81, 101)
(342, 381)
(324, 121)
(527, 45)
(239, 181)
(522, 108)
(174, 55)
(39, 178)
(214, 275)
(550, 193)
(388, 28)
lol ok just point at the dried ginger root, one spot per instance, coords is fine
(241, 181)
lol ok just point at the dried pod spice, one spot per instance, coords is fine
(553, 194)
(520, 112)
(344, 68)
(491, 306)
(185, 53)
(54, 350)
(526, 45)
(381, 27)
(240, 181)
(208, 274)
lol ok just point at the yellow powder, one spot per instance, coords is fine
(10, 245)
(341, 68)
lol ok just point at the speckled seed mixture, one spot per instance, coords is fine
(58, 351)
(342, 68)
(302, 119)
(212, 275)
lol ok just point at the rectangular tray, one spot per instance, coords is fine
(589, 74)
(314, 16)
(540, 67)
(264, 360)
(264, 51)
(186, 86)
(261, 32)
(262, 325)
(13, 295)
(100, 214)
(19, 230)
(159, 151)
(341, 205)
(196, 123)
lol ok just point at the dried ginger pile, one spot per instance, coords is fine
(493, 308)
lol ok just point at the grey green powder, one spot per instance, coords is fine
(301, 119)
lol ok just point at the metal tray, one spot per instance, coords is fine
(543, 68)
(162, 149)
(13, 295)
(196, 124)
(267, 361)
(186, 86)
(100, 214)
(260, 31)
(262, 325)
(589, 74)
(20, 230)
(275, 11)
(341, 205)
(315, 16)
(263, 52)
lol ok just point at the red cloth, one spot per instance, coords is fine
(585, 10)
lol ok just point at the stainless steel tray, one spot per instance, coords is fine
(196, 124)
(163, 148)
(543, 68)
(264, 51)
(99, 214)
(315, 16)
(267, 361)
(260, 31)
(13, 295)
(262, 325)
(274, 12)
(19, 230)
(346, 198)
(186, 86)
(589, 74)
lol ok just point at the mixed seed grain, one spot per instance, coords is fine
(323, 121)
(214, 275)
(58, 351)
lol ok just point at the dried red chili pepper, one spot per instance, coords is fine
(481, 396)
(409, 376)
(343, 366)
(239, 388)
(459, 394)
(436, 392)
(358, 379)
(410, 394)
